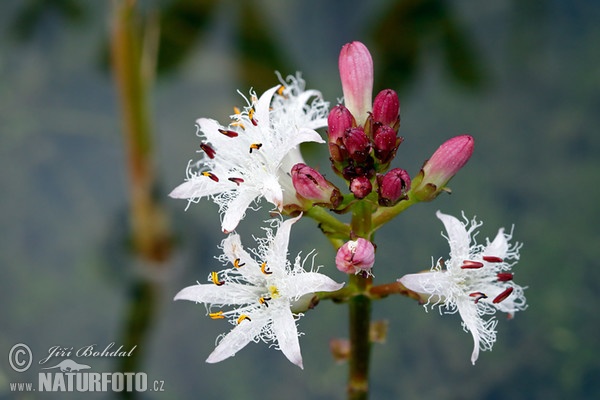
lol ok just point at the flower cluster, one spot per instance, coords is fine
(257, 155)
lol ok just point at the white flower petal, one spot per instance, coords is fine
(498, 247)
(196, 188)
(236, 209)
(286, 332)
(229, 294)
(471, 320)
(263, 106)
(237, 338)
(310, 282)
(432, 283)
(233, 249)
(278, 251)
(458, 237)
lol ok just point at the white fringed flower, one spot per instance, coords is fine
(260, 294)
(252, 157)
(476, 281)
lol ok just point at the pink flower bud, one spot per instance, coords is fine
(361, 187)
(356, 72)
(338, 121)
(385, 143)
(311, 185)
(450, 157)
(392, 186)
(386, 107)
(355, 256)
(357, 144)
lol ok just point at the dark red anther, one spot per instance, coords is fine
(228, 133)
(505, 276)
(478, 296)
(502, 296)
(211, 176)
(210, 152)
(493, 259)
(237, 181)
(254, 121)
(468, 264)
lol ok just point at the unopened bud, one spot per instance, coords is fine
(386, 107)
(338, 120)
(385, 143)
(447, 160)
(356, 256)
(392, 186)
(361, 187)
(356, 73)
(311, 185)
(357, 144)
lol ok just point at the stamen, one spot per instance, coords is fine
(238, 123)
(263, 300)
(236, 263)
(236, 110)
(243, 317)
(478, 296)
(505, 276)
(263, 269)
(492, 259)
(217, 315)
(236, 180)
(210, 152)
(468, 264)
(503, 295)
(228, 133)
(210, 175)
(255, 146)
(251, 117)
(214, 276)
(280, 90)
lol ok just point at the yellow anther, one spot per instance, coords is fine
(214, 276)
(243, 317)
(263, 300)
(236, 110)
(263, 269)
(217, 315)
(236, 263)
(280, 90)
(255, 146)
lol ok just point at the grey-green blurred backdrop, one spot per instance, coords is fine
(521, 76)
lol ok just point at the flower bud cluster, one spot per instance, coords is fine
(363, 134)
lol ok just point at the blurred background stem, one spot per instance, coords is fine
(134, 53)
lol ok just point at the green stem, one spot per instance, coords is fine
(386, 214)
(360, 314)
(329, 224)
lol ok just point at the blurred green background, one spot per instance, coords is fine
(521, 76)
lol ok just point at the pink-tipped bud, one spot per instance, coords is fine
(361, 187)
(312, 186)
(356, 73)
(447, 160)
(338, 121)
(357, 144)
(356, 256)
(385, 143)
(386, 107)
(392, 186)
